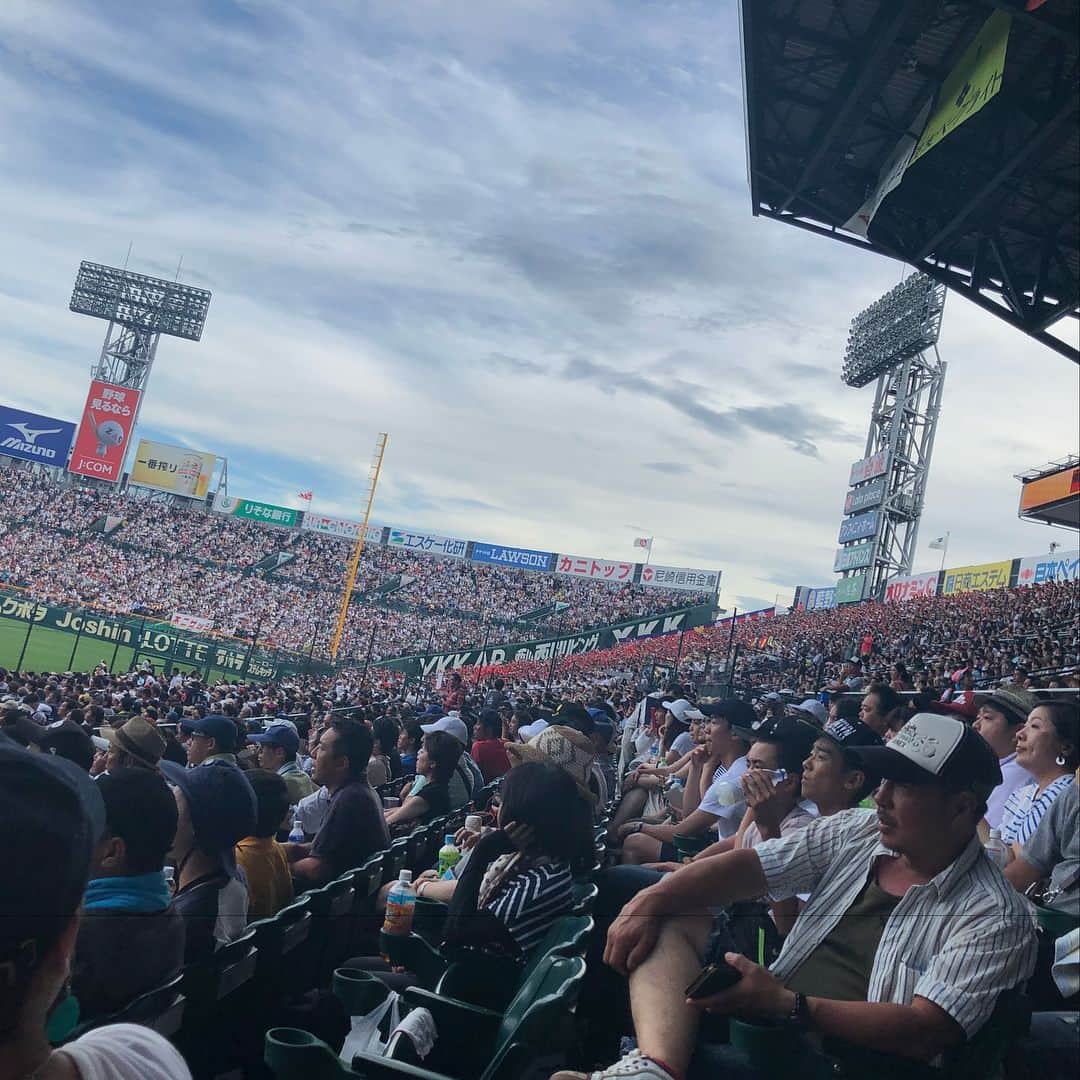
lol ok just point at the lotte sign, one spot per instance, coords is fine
(107, 420)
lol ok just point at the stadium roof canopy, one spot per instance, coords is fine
(833, 88)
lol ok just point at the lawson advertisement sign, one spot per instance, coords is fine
(34, 437)
(524, 558)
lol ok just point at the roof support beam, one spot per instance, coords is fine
(1026, 149)
(881, 36)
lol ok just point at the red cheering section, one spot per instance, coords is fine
(107, 420)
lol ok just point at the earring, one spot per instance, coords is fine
(1059, 760)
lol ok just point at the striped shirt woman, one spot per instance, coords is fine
(528, 903)
(1025, 807)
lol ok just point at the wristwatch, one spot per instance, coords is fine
(799, 1017)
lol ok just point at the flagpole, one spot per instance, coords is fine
(944, 551)
(648, 551)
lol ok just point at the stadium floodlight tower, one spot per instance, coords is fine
(139, 310)
(895, 342)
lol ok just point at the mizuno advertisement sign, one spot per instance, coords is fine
(34, 437)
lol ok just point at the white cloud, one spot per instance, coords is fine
(418, 218)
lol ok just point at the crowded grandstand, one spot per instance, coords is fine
(289, 796)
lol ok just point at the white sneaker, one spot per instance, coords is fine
(635, 1066)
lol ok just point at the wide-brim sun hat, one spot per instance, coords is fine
(563, 746)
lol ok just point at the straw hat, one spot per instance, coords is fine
(563, 746)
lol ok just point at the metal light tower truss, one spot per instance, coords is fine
(895, 341)
(139, 309)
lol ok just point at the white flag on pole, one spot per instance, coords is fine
(643, 541)
(939, 543)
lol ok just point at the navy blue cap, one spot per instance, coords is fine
(283, 735)
(221, 803)
(56, 813)
(219, 728)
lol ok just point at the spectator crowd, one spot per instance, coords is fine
(75, 545)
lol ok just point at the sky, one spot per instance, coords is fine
(514, 234)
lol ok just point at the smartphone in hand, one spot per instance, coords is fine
(712, 979)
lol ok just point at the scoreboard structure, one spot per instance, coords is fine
(1051, 495)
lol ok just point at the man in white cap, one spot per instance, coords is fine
(467, 779)
(909, 937)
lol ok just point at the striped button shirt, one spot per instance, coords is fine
(528, 903)
(958, 941)
(1023, 811)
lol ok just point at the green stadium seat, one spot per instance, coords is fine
(394, 861)
(473, 1043)
(485, 979)
(281, 970)
(333, 929)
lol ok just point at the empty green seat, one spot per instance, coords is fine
(473, 1043)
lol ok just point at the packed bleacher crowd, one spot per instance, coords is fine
(647, 886)
(158, 559)
(1030, 635)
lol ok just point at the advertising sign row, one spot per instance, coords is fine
(522, 558)
(807, 599)
(869, 467)
(172, 468)
(977, 578)
(853, 558)
(102, 439)
(908, 588)
(1030, 570)
(267, 513)
(428, 543)
(343, 527)
(679, 577)
(581, 566)
(850, 589)
(550, 648)
(1039, 569)
(861, 498)
(859, 527)
(169, 643)
(33, 437)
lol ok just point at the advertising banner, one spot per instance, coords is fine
(427, 543)
(994, 575)
(866, 496)
(183, 621)
(1047, 490)
(570, 645)
(581, 566)
(819, 599)
(974, 80)
(257, 511)
(34, 437)
(869, 467)
(685, 578)
(107, 420)
(522, 558)
(859, 527)
(343, 527)
(172, 468)
(850, 589)
(155, 639)
(907, 588)
(1038, 569)
(853, 558)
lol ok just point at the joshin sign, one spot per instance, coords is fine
(107, 420)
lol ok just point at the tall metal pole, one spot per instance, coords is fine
(678, 657)
(26, 640)
(354, 562)
(75, 647)
(251, 647)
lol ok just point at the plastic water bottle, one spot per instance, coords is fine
(296, 835)
(474, 823)
(996, 850)
(730, 792)
(449, 857)
(169, 874)
(400, 906)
